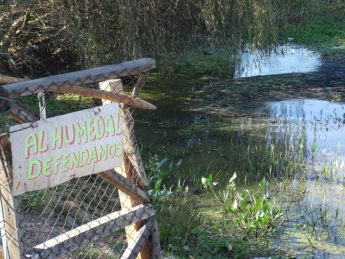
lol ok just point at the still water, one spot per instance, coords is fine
(283, 59)
(197, 144)
(321, 125)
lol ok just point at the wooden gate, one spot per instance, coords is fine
(55, 202)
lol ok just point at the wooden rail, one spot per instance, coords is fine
(119, 219)
(138, 242)
(131, 168)
(136, 215)
(115, 97)
(87, 76)
(125, 185)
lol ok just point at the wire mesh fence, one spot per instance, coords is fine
(101, 215)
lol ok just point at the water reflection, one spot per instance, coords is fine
(320, 126)
(198, 144)
(283, 59)
(322, 123)
(204, 145)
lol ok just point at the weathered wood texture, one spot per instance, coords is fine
(155, 237)
(129, 167)
(6, 151)
(115, 97)
(117, 220)
(42, 105)
(131, 148)
(130, 179)
(155, 241)
(139, 84)
(9, 79)
(9, 207)
(25, 179)
(134, 247)
(3, 248)
(98, 74)
(125, 185)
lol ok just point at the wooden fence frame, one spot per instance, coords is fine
(133, 197)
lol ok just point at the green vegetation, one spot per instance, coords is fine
(211, 231)
(204, 129)
(40, 37)
(206, 218)
(32, 202)
(323, 30)
(235, 225)
(253, 213)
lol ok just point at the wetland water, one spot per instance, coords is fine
(281, 60)
(306, 131)
(320, 127)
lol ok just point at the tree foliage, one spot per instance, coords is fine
(38, 36)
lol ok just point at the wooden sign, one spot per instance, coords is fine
(52, 151)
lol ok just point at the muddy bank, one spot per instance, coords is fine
(243, 96)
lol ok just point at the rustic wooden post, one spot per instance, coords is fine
(12, 248)
(42, 105)
(137, 215)
(132, 168)
(155, 240)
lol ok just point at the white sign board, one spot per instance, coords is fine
(52, 151)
